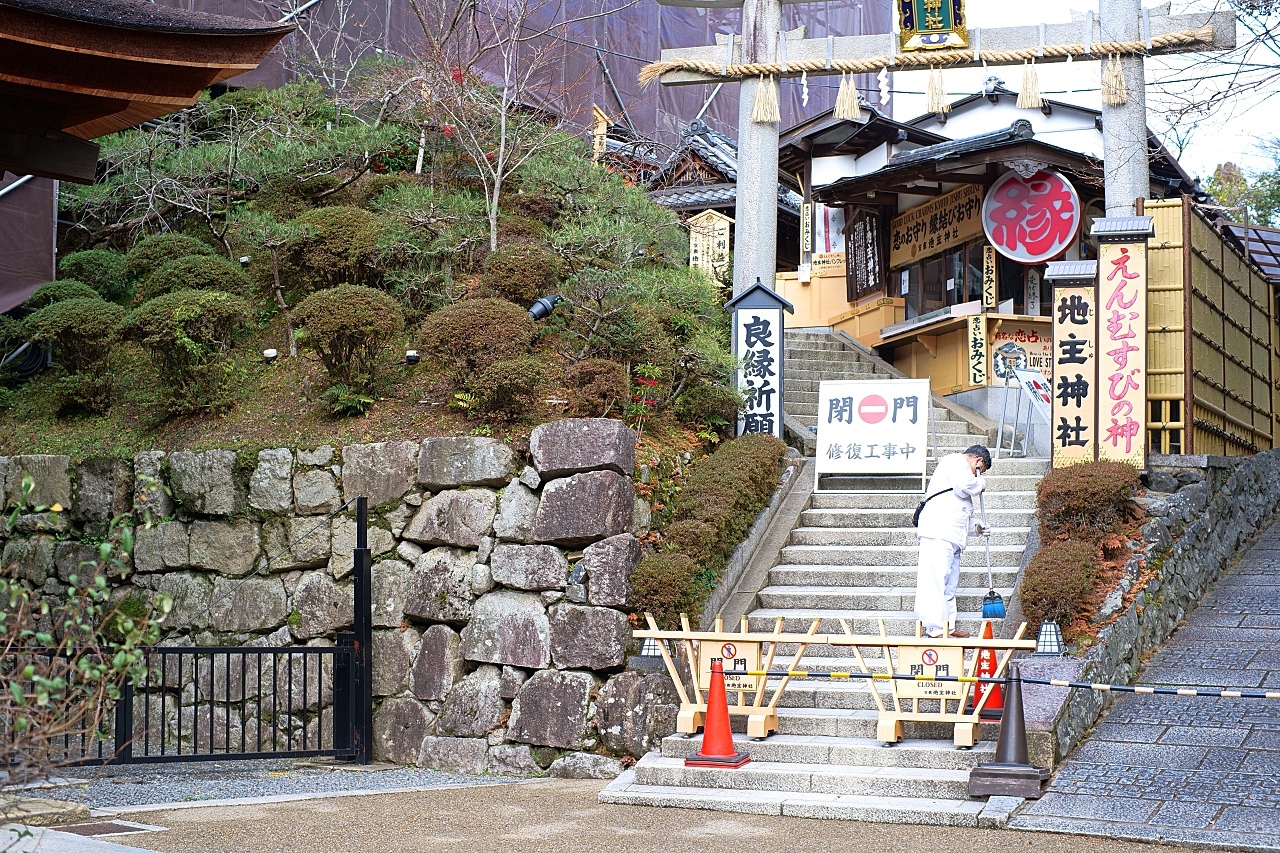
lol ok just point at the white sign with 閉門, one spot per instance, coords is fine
(873, 427)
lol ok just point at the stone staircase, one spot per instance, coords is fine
(852, 557)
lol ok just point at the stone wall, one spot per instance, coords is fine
(1195, 532)
(500, 584)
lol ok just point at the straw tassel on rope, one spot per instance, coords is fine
(1029, 98)
(847, 106)
(765, 109)
(936, 94)
(1114, 91)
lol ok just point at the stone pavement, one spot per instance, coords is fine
(1187, 769)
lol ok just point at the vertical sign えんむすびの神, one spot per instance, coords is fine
(1122, 352)
(977, 350)
(1075, 375)
(757, 347)
(873, 427)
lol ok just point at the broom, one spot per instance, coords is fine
(992, 603)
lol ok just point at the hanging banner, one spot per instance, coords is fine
(946, 221)
(1075, 376)
(1031, 220)
(977, 348)
(932, 24)
(1122, 352)
(873, 427)
(709, 242)
(989, 289)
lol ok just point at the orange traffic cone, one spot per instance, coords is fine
(994, 708)
(717, 738)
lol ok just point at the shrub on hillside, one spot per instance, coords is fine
(81, 333)
(153, 252)
(666, 585)
(1086, 501)
(471, 335)
(349, 327)
(713, 405)
(59, 291)
(188, 334)
(508, 388)
(1058, 582)
(101, 269)
(597, 387)
(521, 272)
(337, 245)
(195, 272)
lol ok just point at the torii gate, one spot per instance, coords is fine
(1122, 28)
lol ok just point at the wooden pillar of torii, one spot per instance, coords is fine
(1122, 28)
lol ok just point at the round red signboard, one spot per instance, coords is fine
(1030, 220)
(872, 409)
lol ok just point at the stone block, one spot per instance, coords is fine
(192, 594)
(507, 760)
(315, 492)
(400, 725)
(474, 706)
(390, 587)
(1159, 481)
(72, 558)
(50, 479)
(642, 520)
(440, 586)
(1156, 532)
(463, 460)
(33, 557)
(342, 536)
(531, 567)
(151, 499)
(271, 483)
(254, 604)
(551, 709)
(322, 455)
(229, 548)
(205, 483)
(608, 565)
(104, 489)
(392, 660)
(584, 765)
(295, 543)
(457, 517)
(588, 637)
(508, 628)
(381, 472)
(575, 445)
(458, 754)
(438, 664)
(517, 509)
(530, 477)
(409, 551)
(584, 508)
(320, 607)
(512, 680)
(635, 711)
(481, 579)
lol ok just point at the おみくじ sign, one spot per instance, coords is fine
(873, 427)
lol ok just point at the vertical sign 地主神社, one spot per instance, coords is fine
(1122, 351)
(873, 427)
(757, 347)
(1075, 372)
(977, 350)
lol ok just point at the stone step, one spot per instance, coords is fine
(863, 752)
(816, 370)
(867, 536)
(803, 350)
(882, 599)
(914, 810)
(1010, 499)
(655, 769)
(893, 555)
(830, 720)
(878, 576)
(896, 623)
(901, 517)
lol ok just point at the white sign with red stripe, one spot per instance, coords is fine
(873, 427)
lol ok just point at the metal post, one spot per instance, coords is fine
(363, 711)
(344, 693)
(124, 724)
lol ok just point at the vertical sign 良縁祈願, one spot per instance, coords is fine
(1075, 365)
(977, 350)
(873, 428)
(1122, 338)
(757, 347)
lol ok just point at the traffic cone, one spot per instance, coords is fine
(717, 738)
(986, 669)
(1011, 774)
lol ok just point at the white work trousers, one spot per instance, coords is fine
(936, 582)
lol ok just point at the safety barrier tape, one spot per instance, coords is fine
(1217, 692)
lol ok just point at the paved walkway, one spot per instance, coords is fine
(1185, 769)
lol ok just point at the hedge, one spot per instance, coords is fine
(1087, 502)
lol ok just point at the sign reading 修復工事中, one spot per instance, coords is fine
(873, 427)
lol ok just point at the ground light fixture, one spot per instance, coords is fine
(544, 306)
(411, 356)
(269, 355)
(1049, 641)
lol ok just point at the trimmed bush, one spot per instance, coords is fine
(101, 269)
(1058, 583)
(1086, 502)
(153, 252)
(188, 335)
(521, 272)
(667, 585)
(715, 405)
(470, 336)
(81, 333)
(59, 291)
(508, 388)
(195, 272)
(339, 245)
(597, 387)
(348, 327)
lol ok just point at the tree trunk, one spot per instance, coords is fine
(290, 341)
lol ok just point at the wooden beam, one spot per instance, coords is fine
(60, 156)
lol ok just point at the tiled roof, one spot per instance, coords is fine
(716, 195)
(141, 15)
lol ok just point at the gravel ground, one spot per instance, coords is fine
(140, 785)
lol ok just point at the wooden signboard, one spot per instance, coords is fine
(1075, 375)
(946, 221)
(830, 264)
(1122, 352)
(709, 242)
(977, 350)
(989, 289)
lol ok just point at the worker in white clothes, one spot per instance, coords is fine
(946, 521)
